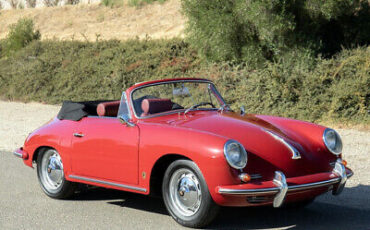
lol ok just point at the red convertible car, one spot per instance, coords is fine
(179, 139)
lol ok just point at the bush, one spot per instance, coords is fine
(334, 90)
(256, 31)
(52, 71)
(20, 34)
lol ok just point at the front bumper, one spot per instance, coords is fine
(280, 186)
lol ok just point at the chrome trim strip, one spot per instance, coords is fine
(262, 191)
(108, 183)
(313, 185)
(17, 154)
(295, 154)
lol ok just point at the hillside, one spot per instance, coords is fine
(86, 21)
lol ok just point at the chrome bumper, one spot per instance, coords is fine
(282, 188)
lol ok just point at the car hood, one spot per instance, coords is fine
(266, 139)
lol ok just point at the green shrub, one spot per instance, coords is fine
(20, 34)
(327, 90)
(312, 89)
(52, 71)
(260, 30)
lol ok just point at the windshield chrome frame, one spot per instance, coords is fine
(217, 95)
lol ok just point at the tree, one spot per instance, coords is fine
(254, 31)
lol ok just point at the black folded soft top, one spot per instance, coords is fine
(75, 111)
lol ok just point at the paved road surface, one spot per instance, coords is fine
(24, 206)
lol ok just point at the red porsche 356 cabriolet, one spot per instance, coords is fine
(179, 139)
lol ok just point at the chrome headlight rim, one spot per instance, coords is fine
(324, 137)
(243, 152)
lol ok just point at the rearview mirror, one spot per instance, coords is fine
(242, 110)
(124, 119)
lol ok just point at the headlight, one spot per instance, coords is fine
(235, 154)
(332, 141)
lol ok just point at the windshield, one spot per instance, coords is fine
(175, 96)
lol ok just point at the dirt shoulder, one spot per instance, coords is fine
(89, 21)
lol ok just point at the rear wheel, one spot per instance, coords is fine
(186, 195)
(51, 175)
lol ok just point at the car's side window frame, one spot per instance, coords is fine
(124, 109)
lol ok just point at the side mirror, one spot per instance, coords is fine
(242, 110)
(124, 119)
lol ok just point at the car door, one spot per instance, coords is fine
(105, 149)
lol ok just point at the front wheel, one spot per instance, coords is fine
(186, 195)
(51, 175)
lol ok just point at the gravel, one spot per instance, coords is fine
(23, 205)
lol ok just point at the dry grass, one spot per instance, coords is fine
(87, 21)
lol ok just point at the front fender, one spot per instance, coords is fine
(203, 148)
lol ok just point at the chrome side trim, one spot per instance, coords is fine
(108, 183)
(18, 154)
(295, 154)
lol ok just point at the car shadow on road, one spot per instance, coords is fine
(122, 199)
(351, 210)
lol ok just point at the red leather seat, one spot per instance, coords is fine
(155, 105)
(108, 109)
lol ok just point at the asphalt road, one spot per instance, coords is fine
(24, 206)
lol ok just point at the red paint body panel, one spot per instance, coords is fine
(116, 153)
(106, 148)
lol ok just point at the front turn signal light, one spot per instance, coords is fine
(344, 162)
(245, 177)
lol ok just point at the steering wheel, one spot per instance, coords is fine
(199, 104)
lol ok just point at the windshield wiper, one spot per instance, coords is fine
(197, 105)
(224, 107)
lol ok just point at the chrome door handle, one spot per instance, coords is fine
(78, 134)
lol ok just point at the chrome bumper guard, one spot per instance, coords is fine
(17, 154)
(21, 153)
(282, 188)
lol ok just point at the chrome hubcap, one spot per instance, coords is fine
(52, 170)
(185, 192)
